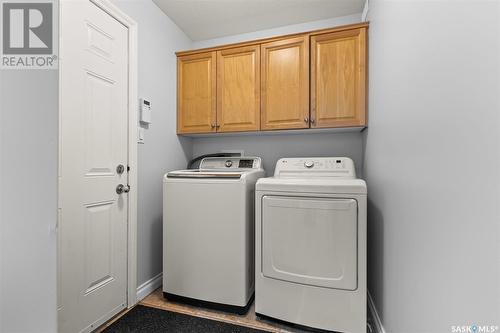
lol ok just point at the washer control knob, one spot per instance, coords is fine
(308, 164)
(229, 163)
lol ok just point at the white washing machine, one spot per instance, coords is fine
(311, 244)
(208, 233)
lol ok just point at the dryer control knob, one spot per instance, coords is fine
(309, 164)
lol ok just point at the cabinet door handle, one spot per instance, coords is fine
(312, 121)
(306, 119)
(213, 125)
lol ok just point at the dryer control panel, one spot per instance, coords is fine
(315, 167)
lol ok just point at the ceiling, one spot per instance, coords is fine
(207, 19)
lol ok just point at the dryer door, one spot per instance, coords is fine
(311, 241)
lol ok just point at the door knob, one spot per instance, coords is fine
(122, 189)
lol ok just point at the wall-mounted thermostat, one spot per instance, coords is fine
(145, 112)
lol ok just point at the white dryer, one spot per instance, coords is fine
(311, 244)
(208, 233)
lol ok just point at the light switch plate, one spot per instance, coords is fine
(140, 135)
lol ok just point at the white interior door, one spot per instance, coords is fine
(310, 241)
(93, 216)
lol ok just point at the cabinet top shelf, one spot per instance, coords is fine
(272, 39)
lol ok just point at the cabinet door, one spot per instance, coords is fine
(338, 79)
(285, 84)
(238, 89)
(196, 93)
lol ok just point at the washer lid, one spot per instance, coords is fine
(220, 168)
(196, 173)
(312, 185)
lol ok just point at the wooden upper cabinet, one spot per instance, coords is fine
(196, 93)
(314, 79)
(338, 79)
(238, 89)
(285, 84)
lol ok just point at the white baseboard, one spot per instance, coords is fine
(149, 286)
(377, 323)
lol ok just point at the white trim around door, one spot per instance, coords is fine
(131, 25)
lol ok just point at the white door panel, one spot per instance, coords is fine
(93, 217)
(310, 241)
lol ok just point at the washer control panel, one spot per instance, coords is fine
(230, 163)
(315, 166)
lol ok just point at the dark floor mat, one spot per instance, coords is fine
(151, 320)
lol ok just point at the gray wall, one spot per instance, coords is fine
(273, 147)
(159, 38)
(432, 161)
(28, 200)
(288, 29)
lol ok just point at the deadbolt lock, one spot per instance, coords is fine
(120, 169)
